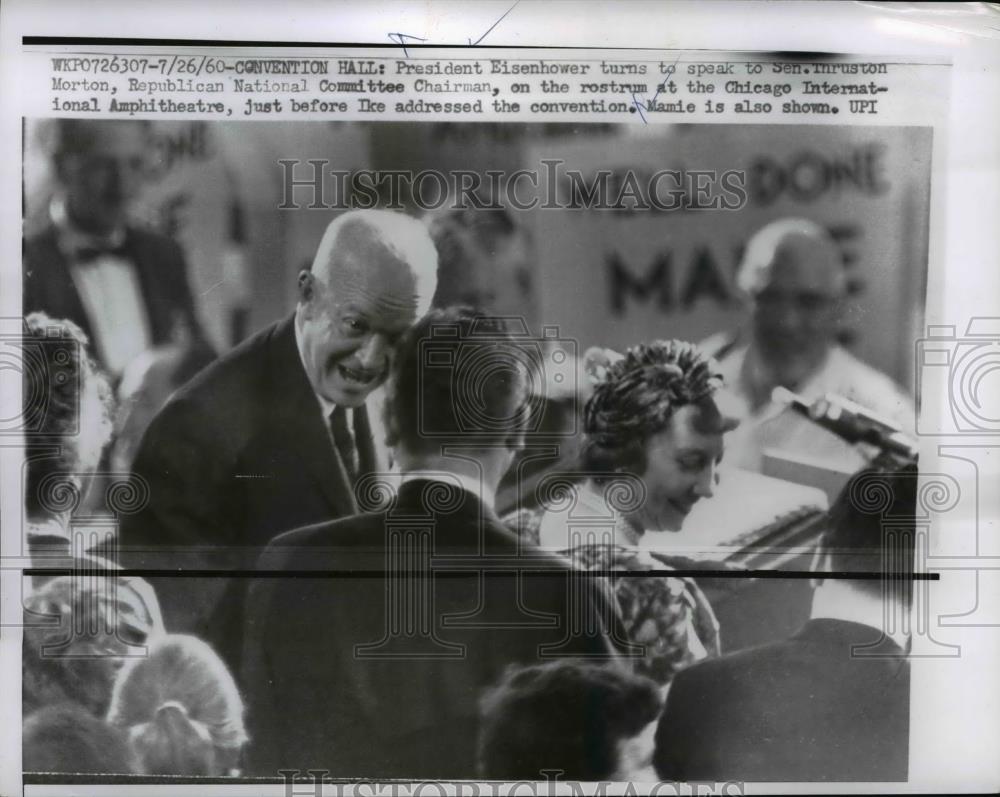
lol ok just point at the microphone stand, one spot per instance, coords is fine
(853, 424)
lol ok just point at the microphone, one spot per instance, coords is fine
(850, 422)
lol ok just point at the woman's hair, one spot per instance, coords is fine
(567, 714)
(180, 708)
(78, 630)
(66, 411)
(636, 398)
(68, 738)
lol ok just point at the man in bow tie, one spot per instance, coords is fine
(274, 434)
(126, 287)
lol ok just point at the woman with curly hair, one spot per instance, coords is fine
(652, 444)
(67, 408)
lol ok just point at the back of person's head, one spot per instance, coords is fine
(458, 377)
(569, 715)
(180, 709)
(871, 529)
(635, 397)
(66, 411)
(78, 632)
(68, 738)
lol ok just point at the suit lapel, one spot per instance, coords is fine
(58, 282)
(300, 426)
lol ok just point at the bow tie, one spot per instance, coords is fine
(89, 252)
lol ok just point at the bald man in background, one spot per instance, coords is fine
(793, 274)
(274, 435)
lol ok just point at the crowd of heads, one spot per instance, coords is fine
(105, 688)
(98, 701)
(126, 695)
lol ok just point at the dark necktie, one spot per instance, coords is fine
(344, 441)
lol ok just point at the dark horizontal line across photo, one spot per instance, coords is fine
(467, 571)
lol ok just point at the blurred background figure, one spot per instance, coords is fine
(592, 722)
(125, 286)
(181, 710)
(78, 632)
(67, 401)
(68, 738)
(68, 404)
(793, 274)
(484, 260)
(146, 384)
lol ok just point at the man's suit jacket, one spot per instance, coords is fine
(802, 709)
(163, 282)
(407, 705)
(237, 456)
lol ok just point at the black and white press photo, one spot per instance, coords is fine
(470, 416)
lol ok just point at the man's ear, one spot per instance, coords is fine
(307, 286)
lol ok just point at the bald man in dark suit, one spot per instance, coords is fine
(274, 434)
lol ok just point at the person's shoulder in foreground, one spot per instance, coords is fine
(830, 703)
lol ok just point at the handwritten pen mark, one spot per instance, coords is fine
(490, 29)
(637, 103)
(400, 41)
(400, 38)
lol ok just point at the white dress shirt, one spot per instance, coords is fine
(109, 290)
